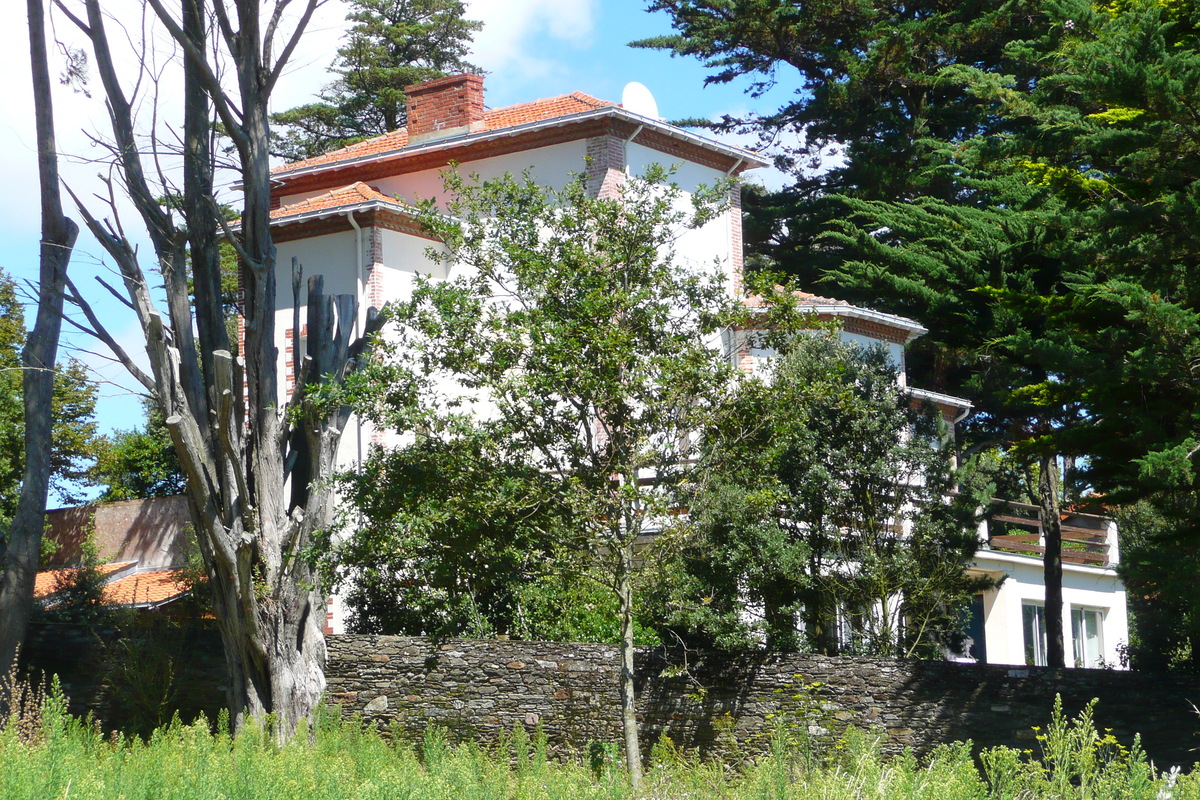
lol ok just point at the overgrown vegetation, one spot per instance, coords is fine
(46, 753)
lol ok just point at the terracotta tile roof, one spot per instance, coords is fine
(804, 298)
(145, 588)
(347, 195)
(495, 119)
(840, 308)
(46, 582)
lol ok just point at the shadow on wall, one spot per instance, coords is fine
(151, 532)
(708, 701)
(996, 705)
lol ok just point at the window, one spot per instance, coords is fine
(1034, 618)
(1087, 636)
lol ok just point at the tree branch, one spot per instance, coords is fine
(104, 336)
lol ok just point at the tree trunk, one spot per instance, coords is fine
(23, 548)
(257, 464)
(633, 750)
(1051, 520)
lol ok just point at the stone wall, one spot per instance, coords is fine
(478, 688)
(84, 657)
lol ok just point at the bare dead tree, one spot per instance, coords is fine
(19, 553)
(257, 465)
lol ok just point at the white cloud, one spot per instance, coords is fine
(512, 45)
(506, 45)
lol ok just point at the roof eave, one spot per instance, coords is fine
(940, 399)
(342, 210)
(913, 328)
(742, 157)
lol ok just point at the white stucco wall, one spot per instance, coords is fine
(333, 256)
(707, 248)
(551, 166)
(1083, 586)
(404, 256)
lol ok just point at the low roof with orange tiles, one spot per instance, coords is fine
(47, 581)
(494, 119)
(841, 308)
(804, 298)
(146, 588)
(354, 194)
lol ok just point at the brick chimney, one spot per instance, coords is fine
(444, 107)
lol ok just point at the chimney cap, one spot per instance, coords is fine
(439, 83)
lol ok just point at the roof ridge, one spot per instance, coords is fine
(578, 95)
(400, 135)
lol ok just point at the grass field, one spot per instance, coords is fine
(45, 753)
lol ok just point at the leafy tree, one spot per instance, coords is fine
(574, 347)
(393, 44)
(446, 532)
(455, 537)
(74, 443)
(140, 462)
(826, 500)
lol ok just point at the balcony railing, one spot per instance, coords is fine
(1086, 538)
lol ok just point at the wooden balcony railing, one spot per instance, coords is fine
(1086, 538)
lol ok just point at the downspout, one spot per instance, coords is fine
(966, 412)
(739, 280)
(954, 432)
(359, 283)
(628, 142)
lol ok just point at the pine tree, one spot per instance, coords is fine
(393, 44)
(870, 98)
(1118, 142)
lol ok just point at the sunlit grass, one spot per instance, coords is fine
(67, 758)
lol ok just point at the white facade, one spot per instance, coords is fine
(348, 216)
(1095, 620)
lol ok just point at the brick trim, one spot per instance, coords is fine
(289, 356)
(736, 248)
(606, 159)
(875, 330)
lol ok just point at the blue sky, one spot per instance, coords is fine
(528, 48)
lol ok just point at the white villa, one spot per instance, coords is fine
(349, 215)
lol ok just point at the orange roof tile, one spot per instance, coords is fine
(495, 119)
(804, 298)
(347, 195)
(145, 588)
(46, 582)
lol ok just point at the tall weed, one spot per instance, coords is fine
(341, 760)
(1074, 760)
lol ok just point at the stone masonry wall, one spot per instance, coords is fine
(476, 689)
